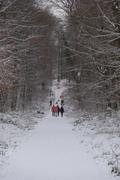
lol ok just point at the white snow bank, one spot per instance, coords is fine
(13, 127)
(99, 135)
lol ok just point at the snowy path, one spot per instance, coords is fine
(52, 152)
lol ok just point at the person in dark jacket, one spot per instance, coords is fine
(62, 111)
(62, 102)
(59, 110)
(50, 103)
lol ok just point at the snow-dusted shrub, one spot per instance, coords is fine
(115, 160)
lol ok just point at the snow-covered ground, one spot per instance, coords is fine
(100, 135)
(54, 150)
(101, 138)
(14, 126)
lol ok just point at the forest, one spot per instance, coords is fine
(90, 51)
(82, 46)
(26, 51)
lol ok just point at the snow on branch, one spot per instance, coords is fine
(108, 20)
(9, 5)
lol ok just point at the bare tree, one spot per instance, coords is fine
(26, 47)
(92, 40)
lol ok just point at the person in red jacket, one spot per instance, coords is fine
(53, 109)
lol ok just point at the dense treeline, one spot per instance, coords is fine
(83, 48)
(26, 53)
(90, 44)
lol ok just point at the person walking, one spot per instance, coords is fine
(59, 108)
(53, 110)
(62, 111)
(50, 103)
(61, 101)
